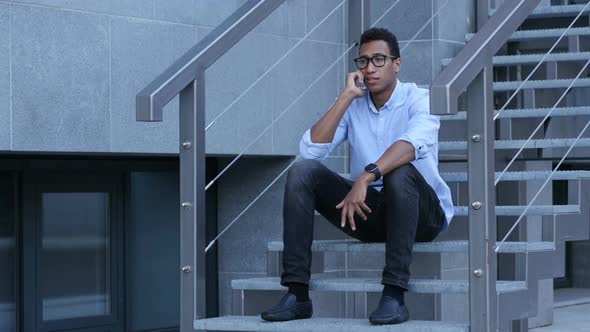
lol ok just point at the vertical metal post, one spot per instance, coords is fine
(359, 19)
(192, 205)
(483, 12)
(482, 200)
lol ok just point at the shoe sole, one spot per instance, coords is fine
(398, 319)
(273, 319)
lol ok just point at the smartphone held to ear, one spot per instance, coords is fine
(360, 85)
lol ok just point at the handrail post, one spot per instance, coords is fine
(482, 200)
(192, 195)
(482, 12)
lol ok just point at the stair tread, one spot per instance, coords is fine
(527, 113)
(542, 84)
(522, 35)
(515, 175)
(516, 210)
(535, 210)
(517, 144)
(522, 175)
(557, 11)
(255, 323)
(533, 58)
(435, 246)
(554, 11)
(326, 282)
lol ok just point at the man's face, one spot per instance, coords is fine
(379, 79)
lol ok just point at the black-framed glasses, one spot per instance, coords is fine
(377, 60)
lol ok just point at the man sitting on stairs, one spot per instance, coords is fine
(397, 196)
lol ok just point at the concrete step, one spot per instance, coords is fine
(515, 176)
(535, 210)
(558, 11)
(523, 59)
(523, 35)
(542, 84)
(517, 144)
(517, 210)
(255, 323)
(327, 283)
(423, 247)
(555, 11)
(527, 113)
(522, 176)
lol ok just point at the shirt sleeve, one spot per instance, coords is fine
(423, 127)
(321, 151)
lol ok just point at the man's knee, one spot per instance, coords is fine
(400, 175)
(302, 169)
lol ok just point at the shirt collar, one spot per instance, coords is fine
(395, 100)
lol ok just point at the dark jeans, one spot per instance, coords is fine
(405, 211)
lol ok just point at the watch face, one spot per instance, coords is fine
(370, 167)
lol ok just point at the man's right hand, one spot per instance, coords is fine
(351, 84)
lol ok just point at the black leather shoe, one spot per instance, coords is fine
(288, 309)
(389, 311)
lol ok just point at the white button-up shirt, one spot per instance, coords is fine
(406, 116)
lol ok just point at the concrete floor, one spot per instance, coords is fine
(571, 313)
(574, 318)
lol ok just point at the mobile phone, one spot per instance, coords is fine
(360, 85)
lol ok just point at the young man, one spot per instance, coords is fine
(397, 196)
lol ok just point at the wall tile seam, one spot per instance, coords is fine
(110, 148)
(354, 270)
(10, 72)
(305, 16)
(137, 18)
(455, 269)
(290, 38)
(450, 41)
(432, 36)
(219, 272)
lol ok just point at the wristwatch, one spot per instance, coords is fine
(372, 168)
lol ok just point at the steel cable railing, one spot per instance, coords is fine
(542, 187)
(284, 112)
(526, 80)
(540, 62)
(289, 51)
(513, 159)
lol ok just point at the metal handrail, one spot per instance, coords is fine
(151, 99)
(454, 79)
(540, 62)
(186, 78)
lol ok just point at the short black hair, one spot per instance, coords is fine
(381, 34)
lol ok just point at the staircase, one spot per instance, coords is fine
(517, 297)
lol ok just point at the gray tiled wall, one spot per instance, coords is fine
(60, 79)
(74, 68)
(427, 30)
(5, 59)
